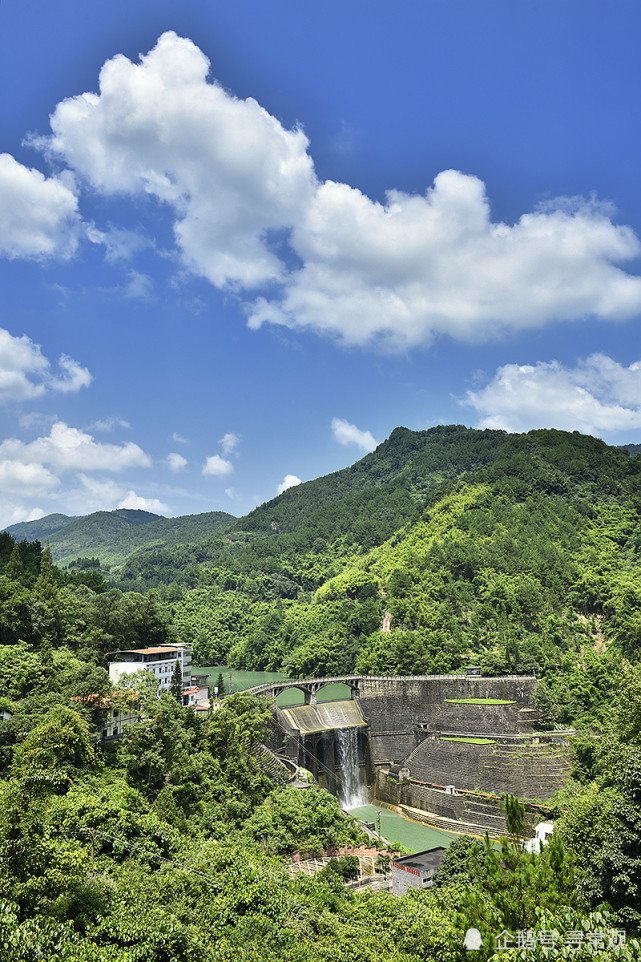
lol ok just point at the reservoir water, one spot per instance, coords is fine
(395, 828)
(240, 680)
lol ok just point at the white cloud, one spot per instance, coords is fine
(230, 493)
(139, 286)
(74, 376)
(228, 168)
(26, 480)
(38, 215)
(229, 442)
(95, 494)
(109, 424)
(178, 439)
(68, 449)
(176, 462)
(120, 244)
(396, 275)
(597, 396)
(12, 512)
(346, 433)
(133, 500)
(98, 494)
(289, 481)
(217, 466)
(25, 372)
(390, 275)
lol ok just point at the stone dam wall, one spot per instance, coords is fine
(412, 736)
(401, 711)
(534, 771)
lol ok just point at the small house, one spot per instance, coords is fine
(415, 871)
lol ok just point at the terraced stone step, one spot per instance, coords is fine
(450, 824)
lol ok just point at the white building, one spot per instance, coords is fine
(160, 661)
(541, 834)
(196, 695)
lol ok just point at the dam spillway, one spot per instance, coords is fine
(325, 716)
(444, 748)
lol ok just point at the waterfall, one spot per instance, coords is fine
(352, 791)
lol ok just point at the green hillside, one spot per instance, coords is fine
(524, 559)
(42, 529)
(305, 534)
(520, 552)
(113, 536)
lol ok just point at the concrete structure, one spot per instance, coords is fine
(111, 717)
(441, 748)
(160, 661)
(415, 871)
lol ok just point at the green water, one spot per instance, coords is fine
(395, 828)
(241, 680)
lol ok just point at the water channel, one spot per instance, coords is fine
(395, 828)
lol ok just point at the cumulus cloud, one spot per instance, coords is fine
(12, 512)
(133, 500)
(94, 494)
(68, 449)
(346, 433)
(249, 210)
(25, 373)
(289, 481)
(16, 477)
(229, 169)
(176, 462)
(103, 494)
(396, 275)
(38, 215)
(229, 442)
(597, 396)
(217, 466)
(73, 378)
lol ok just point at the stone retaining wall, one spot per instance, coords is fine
(527, 770)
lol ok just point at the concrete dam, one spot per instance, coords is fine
(440, 748)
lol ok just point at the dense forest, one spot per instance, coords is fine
(515, 552)
(170, 844)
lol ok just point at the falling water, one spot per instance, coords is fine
(352, 792)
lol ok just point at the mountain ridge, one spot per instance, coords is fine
(114, 536)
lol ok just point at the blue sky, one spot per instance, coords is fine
(240, 243)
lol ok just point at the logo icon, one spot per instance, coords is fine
(472, 940)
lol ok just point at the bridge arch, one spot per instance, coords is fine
(341, 691)
(291, 697)
(309, 686)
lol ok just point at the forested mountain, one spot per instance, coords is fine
(168, 844)
(515, 551)
(519, 552)
(113, 536)
(350, 510)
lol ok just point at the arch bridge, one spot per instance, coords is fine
(309, 686)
